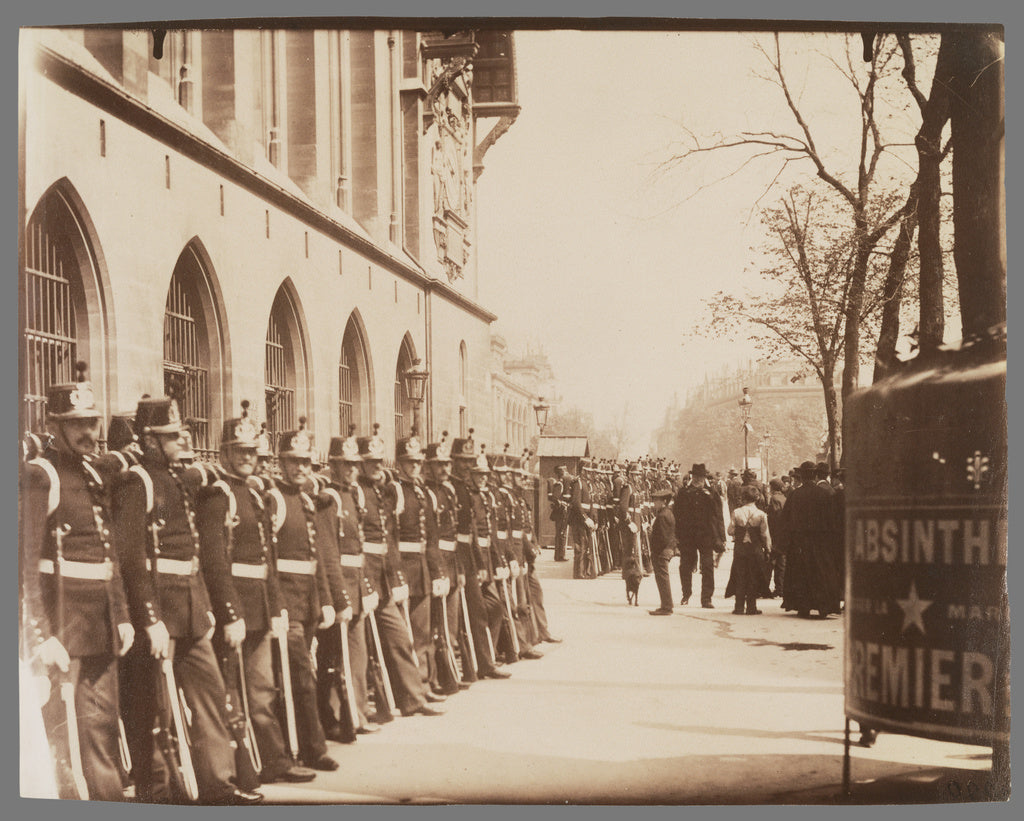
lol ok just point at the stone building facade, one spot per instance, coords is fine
(284, 216)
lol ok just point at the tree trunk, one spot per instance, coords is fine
(892, 291)
(934, 113)
(979, 216)
(854, 306)
(828, 383)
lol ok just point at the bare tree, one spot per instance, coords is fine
(868, 201)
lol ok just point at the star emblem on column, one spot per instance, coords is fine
(913, 609)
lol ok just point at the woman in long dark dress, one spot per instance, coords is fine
(748, 579)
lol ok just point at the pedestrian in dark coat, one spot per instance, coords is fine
(812, 577)
(700, 533)
(776, 502)
(663, 547)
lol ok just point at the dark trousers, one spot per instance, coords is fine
(537, 603)
(778, 572)
(423, 640)
(198, 676)
(329, 665)
(661, 560)
(312, 742)
(583, 566)
(484, 615)
(688, 562)
(406, 681)
(262, 694)
(96, 696)
(561, 535)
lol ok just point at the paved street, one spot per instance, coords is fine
(703, 707)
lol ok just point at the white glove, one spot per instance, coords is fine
(327, 612)
(400, 593)
(481, 576)
(279, 624)
(437, 587)
(591, 523)
(501, 573)
(234, 633)
(513, 567)
(633, 528)
(52, 652)
(345, 615)
(371, 601)
(126, 633)
(447, 585)
(159, 640)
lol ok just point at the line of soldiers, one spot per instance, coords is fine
(606, 512)
(190, 631)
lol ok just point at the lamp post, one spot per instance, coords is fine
(541, 409)
(765, 443)
(746, 401)
(415, 379)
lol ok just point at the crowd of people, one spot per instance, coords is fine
(192, 630)
(787, 536)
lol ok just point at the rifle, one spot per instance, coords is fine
(444, 656)
(380, 673)
(348, 709)
(174, 747)
(510, 621)
(284, 669)
(466, 647)
(66, 680)
(249, 737)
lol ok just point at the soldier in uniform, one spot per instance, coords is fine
(422, 571)
(524, 481)
(75, 615)
(559, 495)
(473, 541)
(700, 533)
(341, 517)
(383, 569)
(160, 551)
(445, 507)
(509, 515)
(303, 560)
(581, 525)
(235, 533)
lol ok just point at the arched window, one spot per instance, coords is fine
(354, 380)
(403, 407)
(62, 318)
(463, 390)
(194, 351)
(285, 372)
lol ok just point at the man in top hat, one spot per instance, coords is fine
(473, 542)
(158, 541)
(339, 518)
(74, 614)
(304, 560)
(663, 546)
(700, 533)
(383, 568)
(812, 576)
(241, 573)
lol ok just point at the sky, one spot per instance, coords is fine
(587, 251)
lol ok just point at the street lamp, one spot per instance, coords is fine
(415, 379)
(541, 409)
(746, 401)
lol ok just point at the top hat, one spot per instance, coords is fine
(157, 415)
(440, 451)
(297, 444)
(699, 469)
(464, 448)
(344, 449)
(74, 400)
(241, 431)
(120, 433)
(372, 447)
(409, 448)
(822, 469)
(806, 470)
